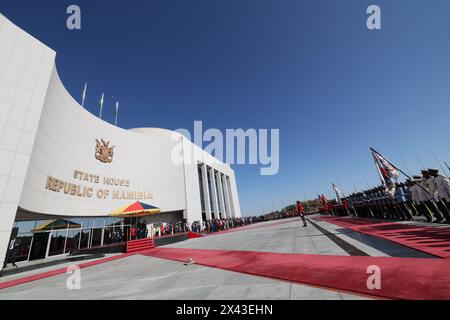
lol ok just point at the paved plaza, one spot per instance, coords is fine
(143, 277)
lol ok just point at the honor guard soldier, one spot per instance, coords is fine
(430, 196)
(441, 186)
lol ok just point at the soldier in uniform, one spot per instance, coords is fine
(381, 200)
(360, 204)
(441, 186)
(374, 205)
(401, 199)
(409, 201)
(430, 196)
(364, 198)
(418, 196)
(389, 194)
(351, 205)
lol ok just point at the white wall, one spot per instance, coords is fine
(25, 70)
(66, 142)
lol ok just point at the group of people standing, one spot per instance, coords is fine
(138, 231)
(163, 229)
(114, 235)
(426, 196)
(215, 225)
(207, 226)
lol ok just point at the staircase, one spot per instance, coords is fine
(139, 245)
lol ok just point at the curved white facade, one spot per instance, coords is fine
(48, 145)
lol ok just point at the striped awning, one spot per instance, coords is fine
(136, 209)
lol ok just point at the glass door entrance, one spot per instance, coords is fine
(39, 245)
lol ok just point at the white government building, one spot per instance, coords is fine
(64, 171)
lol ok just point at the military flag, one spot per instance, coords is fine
(338, 195)
(387, 170)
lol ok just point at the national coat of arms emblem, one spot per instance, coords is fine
(103, 152)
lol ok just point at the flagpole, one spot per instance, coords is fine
(367, 182)
(293, 197)
(353, 183)
(101, 105)
(342, 189)
(84, 94)
(377, 166)
(315, 189)
(447, 165)
(424, 168)
(307, 204)
(336, 194)
(420, 161)
(117, 112)
(406, 167)
(440, 165)
(329, 193)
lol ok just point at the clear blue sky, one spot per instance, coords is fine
(310, 68)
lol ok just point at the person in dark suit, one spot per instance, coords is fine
(11, 253)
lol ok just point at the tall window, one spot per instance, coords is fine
(210, 189)
(200, 181)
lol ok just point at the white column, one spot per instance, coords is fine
(226, 194)
(215, 201)
(230, 197)
(206, 191)
(221, 195)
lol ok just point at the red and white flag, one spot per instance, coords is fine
(387, 170)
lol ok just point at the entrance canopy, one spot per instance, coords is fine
(136, 209)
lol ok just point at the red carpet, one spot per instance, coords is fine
(51, 273)
(431, 240)
(401, 278)
(193, 235)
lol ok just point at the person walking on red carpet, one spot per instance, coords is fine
(301, 212)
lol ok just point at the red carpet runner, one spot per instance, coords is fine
(431, 240)
(401, 278)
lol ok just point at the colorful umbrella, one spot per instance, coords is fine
(136, 209)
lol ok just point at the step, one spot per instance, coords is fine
(139, 249)
(137, 242)
(141, 240)
(140, 245)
